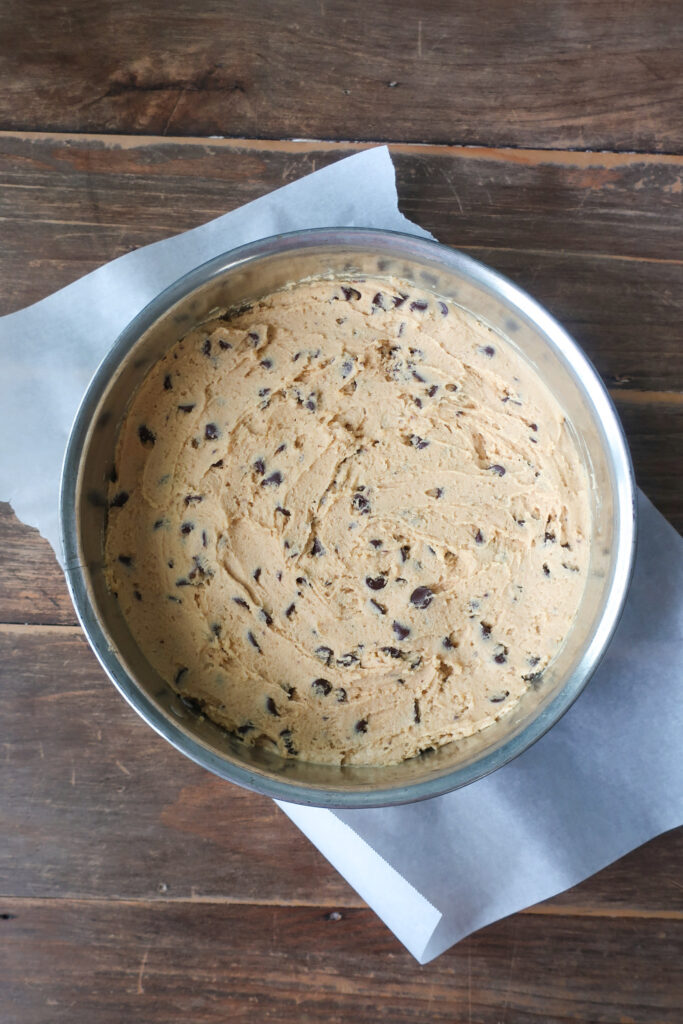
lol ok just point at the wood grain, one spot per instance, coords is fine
(67, 961)
(575, 75)
(574, 232)
(97, 805)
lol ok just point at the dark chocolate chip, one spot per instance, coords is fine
(485, 630)
(341, 695)
(253, 641)
(256, 574)
(401, 631)
(187, 528)
(444, 308)
(321, 686)
(398, 300)
(283, 511)
(316, 548)
(361, 504)
(126, 559)
(378, 300)
(266, 617)
(280, 449)
(211, 431)
(205, 539)
(225, 345)
(206, 347)
(254, 337)
(381, 608)
(274, 480)
(325, 654)
(549, 537)
(534, 426)
(347, 659)
(241, 602)
(182, 582)
(376, 543)
(271, 707)
(499, 697)
(449, 643)
(362, 725)
(290, 611)
(216, 629)
(193, 498)
(546, 570)
(350, 293)
(179, 675)
(498, 470)
(266, 363)
(405, 552)
(416, 711)
(244, 729)
(168, 383)
(192, 704)
(418, 377)
(501, 657)
(137, 595)
(376, 582)
(113, 475)
(488, 350)
(393, 652)
(421, 597)
(418, 442)
(186, 408)
(419, 306)
(432, 390)
(146, 436)
(259, 467)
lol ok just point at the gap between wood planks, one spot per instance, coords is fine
(540, 910)
(568, 157)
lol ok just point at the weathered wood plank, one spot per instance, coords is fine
(96, 804)
(76, 962)
(581, 75)
(571, 231)
(32, 587)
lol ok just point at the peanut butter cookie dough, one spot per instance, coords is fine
(348, 523)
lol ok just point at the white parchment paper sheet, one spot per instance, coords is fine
(608, 777)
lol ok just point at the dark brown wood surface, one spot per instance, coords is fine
(133, 885)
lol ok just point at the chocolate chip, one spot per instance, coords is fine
(266, 363)
(186, 408)
(316, 548)
(501, 657)
(350, 293)
(321, 686)
(347, 659)
(401, 631)
(341, 695)
(325, 654)
(225, 345)
(449, 643)
(146, 436)
(206, 347)
(419, 306)
(271, 707)
(186, 528)
(253, 641)
(274, 480)
(253, 337)
(179, 675)
(376, 582)
(113, 475)
(393, 652)
(432, 390)
(241, 602)
(259, 467)
(381, 608)
(280, 449)
(290, 611)
(376, 543)
(416, 711)
(268, 619)
(546, 570)
(205, 539)
(193, 498)
(498, 470)
(421, 597)
(362, 725)
(211, 432)
(398, 300)
(126, 560)
(182, 582)
(444, 308)
(361, 504)
(283, 511)
(487, 350)
(418, 442)
(549, 538)
(434, 492)
(244, 729)
(405, 552)
(137, 595)
(286, 736)
(216, 629)
(310, 403)
(534, 426)
(168, 383)
(256, 574)
(192, 704)
(263, 392)
(485, 630)
(418, 377)
(499, 697)
(378, 300)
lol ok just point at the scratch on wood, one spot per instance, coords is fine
(419, 39)
(73, 776)
(140, 989)
(170, 116)
(122, 768)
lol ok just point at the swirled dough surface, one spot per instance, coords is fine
(349, 522)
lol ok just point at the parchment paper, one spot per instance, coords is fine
(608, 777)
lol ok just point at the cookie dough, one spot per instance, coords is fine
(348, 523)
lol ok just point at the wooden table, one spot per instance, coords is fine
(543, 138)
